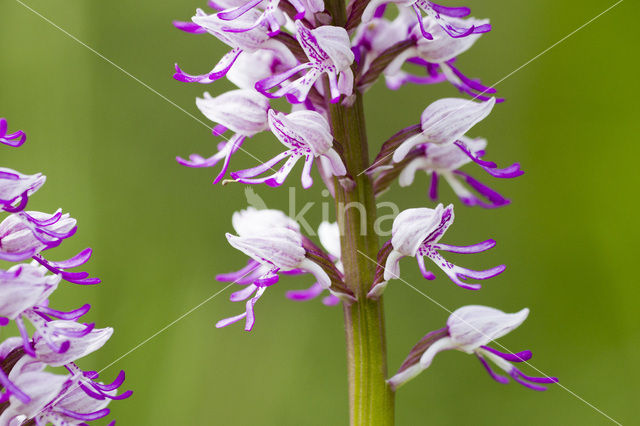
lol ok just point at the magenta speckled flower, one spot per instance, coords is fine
(470, 329)
(416, 233)
(275, 245)
(444, 122)
(446, 17)
(270, 15)
(307, 135)
(329, 51)
(244, 112)
(236, 35)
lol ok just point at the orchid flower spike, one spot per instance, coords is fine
(329, 51)
(416, 232)
(446, 160)
(242, 111)
(236, 35)
(29, 395)
(445, 17)
(306, 134)
(469, 329)
(444, 122)
(275, 249)
(329, 235)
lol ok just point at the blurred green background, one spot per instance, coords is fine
(570, 238)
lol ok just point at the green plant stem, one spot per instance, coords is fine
(371, 401)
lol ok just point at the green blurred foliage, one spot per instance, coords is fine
(107, 145)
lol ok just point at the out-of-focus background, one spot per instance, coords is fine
(570, 237)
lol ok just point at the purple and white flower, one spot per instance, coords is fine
(74, 407)
(249, 222)
(22, 287)
(25, 234)
(446, 160)
(41, 386)
(15, 188)
(242, 111)
(274, 243)
(470, 329)
(328, 49)
(77, 339)
(446, 17)
(307, 135)
(236, 35)
(70, 399)
(417, 232)
(279, 250)
(444, 122)
(271, 16)
(379, 34)
(251, 67)
(437, 57)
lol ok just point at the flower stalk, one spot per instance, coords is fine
(371, 400)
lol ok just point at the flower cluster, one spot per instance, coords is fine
(29, 394)
(296, 51)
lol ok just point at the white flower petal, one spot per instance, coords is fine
(243, 111)
(445, 121)
(251, 221)
(473, 326)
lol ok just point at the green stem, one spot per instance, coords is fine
(371, 401)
